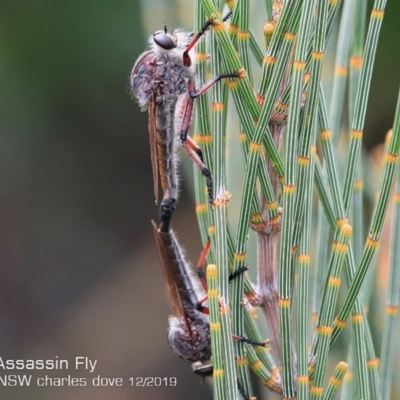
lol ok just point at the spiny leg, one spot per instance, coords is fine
(238, 272)
(186, 58)
(190, 146)
(252, 342)
(201, 262)
(188, 111)
(194, 155)
(201, 308)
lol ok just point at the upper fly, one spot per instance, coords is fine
(159, 77)
(163, 81)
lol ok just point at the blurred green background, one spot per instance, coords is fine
(79, 271)
(79, 275)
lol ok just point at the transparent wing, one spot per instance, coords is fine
(170, 283)
(153, 145)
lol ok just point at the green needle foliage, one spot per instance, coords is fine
(301, 199)
(294, 195)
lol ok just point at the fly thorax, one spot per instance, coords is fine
(173, 80)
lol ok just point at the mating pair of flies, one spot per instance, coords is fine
(163, 82)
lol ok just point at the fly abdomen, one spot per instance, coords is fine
(191, 344)
(166, 151)
(180, 268)
(189, 329)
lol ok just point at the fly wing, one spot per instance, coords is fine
(142, 87)
(153, 144)
(170, 283)
(140, 81)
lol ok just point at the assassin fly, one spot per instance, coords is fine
(163, 82)
(189, 328)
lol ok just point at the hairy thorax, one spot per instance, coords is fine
(162, 76)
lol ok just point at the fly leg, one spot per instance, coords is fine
(195, 153)
(187, 116)
(190, 146)
(201, 262)
(186, 58)
(232, 276)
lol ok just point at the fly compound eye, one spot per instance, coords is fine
(164, 40)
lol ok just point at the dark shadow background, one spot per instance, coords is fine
(79, 275)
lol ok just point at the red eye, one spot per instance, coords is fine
(164, 40)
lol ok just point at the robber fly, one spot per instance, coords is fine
(189, 328)
(163, 82)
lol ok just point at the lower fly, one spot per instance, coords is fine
(189, 328)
